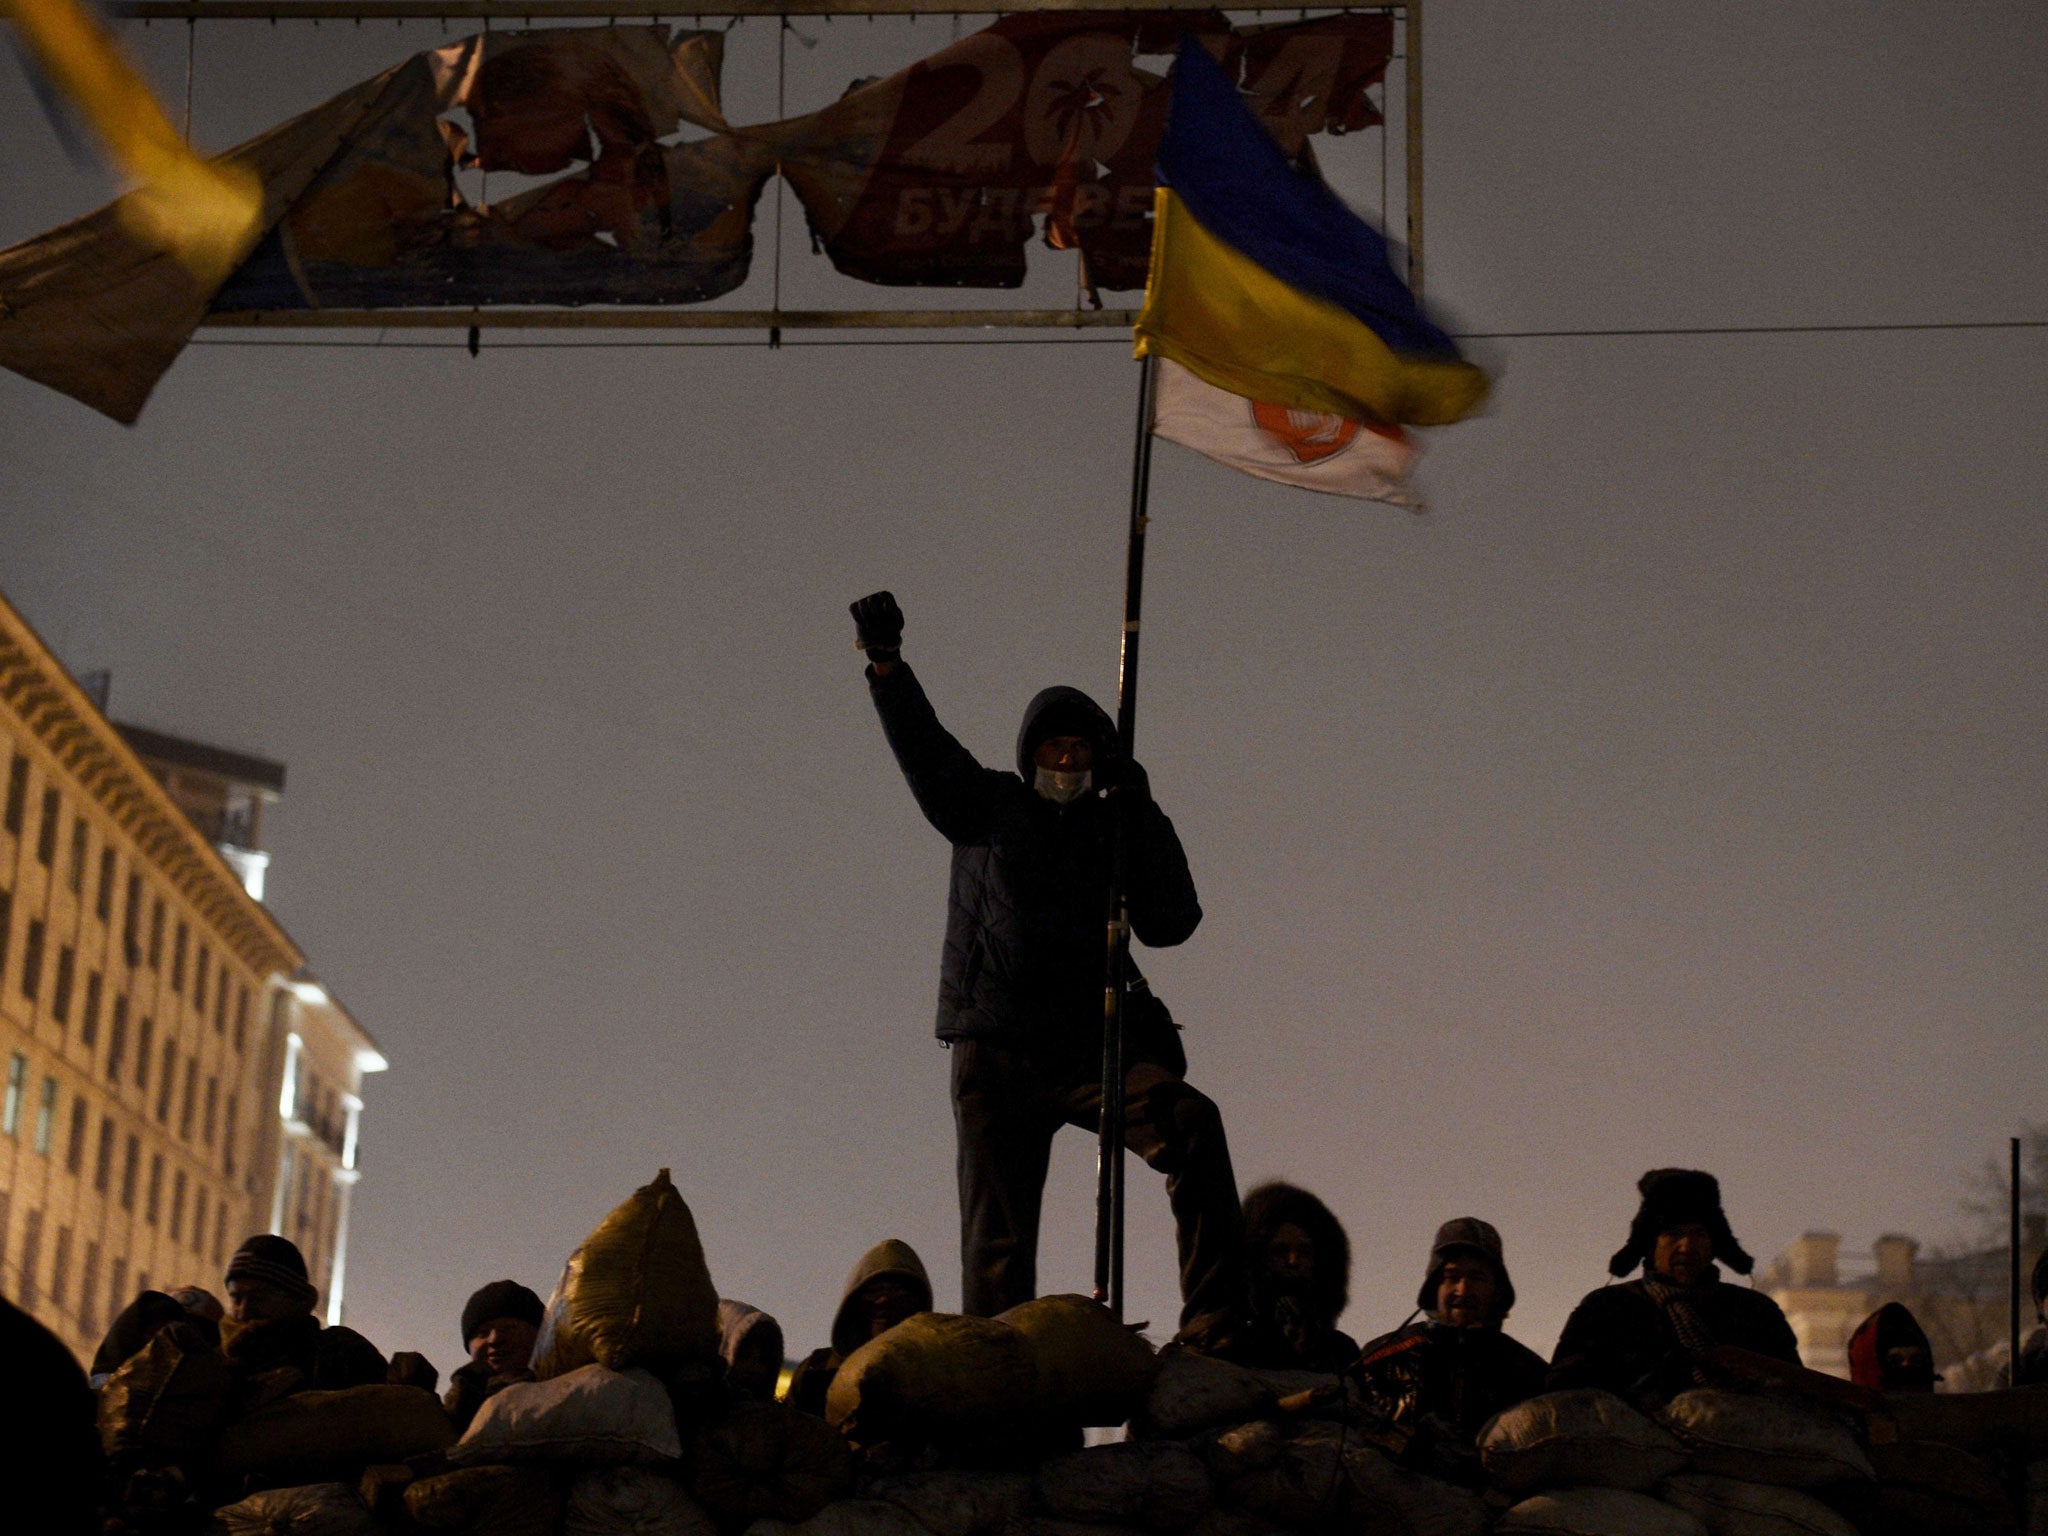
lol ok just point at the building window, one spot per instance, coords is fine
(220, 1003)
(17, 1078)
(17, 792)
(220, 1234)
(130, 1160)
(156, 933)
(74, 1149)
(103, 903)
(212, 1115)
(241, 1011)
(31, 1255)
(117, 1040)
(117, 1286)
(89, 1024)
(199, 982)
(144, 1038)
(60, 1269)
(89, 1292)
(198, 1223)
(103, 1160)
(190, 1101)
(167, 1083)
(178, 1207)
(32, 961)
(155, 1201)
(6, 925)
(46, 834)
(46, 1117)
(227, 1138)
(178, 959)
(131, 919)
(74, 874)
(60, 1005)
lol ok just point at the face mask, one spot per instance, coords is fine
(1062, 786)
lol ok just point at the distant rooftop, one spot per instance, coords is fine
(238, 766)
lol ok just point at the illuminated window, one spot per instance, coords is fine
(46, 1117)
(17, 1077)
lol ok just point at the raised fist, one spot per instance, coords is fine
(878, 626)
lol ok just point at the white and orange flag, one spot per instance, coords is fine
(1312, 449)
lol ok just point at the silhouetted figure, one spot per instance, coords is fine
(886, 1286)
(1298, 1281)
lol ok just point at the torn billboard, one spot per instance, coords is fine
(1044, 125)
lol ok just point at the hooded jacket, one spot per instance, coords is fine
(740, 1324)
(1297, 1330)
(1890, 1327)
(890, 1259)
(1023, 959)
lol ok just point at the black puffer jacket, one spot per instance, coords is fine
(1030, 886)
(1620, 1339)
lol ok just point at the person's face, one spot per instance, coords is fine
(1907, 1366)
(1683, 1253)
(258, 1301)
(504, 1344)
(1291, 1254)
(1064, 754)
(1466, 1292)
(889, 1302)
(755, 1368)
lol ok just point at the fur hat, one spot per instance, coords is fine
(1678, 1197)
(1275, 1205)
(1467, 1235)
(275, 1261)
(501, 1298)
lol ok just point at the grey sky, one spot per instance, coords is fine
(1670, 794)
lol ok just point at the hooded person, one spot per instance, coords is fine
(149, 1314)
(1298, 1282)
(1430, 1386)
(750, 1343)
(500, 1323)
(886, 1286)
(1021, 981)
(271, 1329)
(1890, 1352)
(1654, 1337)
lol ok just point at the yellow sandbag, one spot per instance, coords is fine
(933, 1376)
(165, 1400)
(313, 1437)
(1089, 1368)
(637, 1292)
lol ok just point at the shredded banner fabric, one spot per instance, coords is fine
(1044, 125)
(1265, 284)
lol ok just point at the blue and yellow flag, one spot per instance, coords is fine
(1265, 284)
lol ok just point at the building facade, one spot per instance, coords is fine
(175, 1077)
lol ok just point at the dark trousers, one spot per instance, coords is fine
(1006, 1109)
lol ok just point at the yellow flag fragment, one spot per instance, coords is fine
(204, 213)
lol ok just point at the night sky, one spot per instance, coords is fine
(1670, 793)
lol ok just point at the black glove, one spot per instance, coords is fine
(878, 626)
(1128, 782)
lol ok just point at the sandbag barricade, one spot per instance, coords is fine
(1597, 1512)
(636, 1293)
(1727, 1507)
(1764, 1439)
(1087, 1367)
(767, 1461)
(1191, 1393)
(164, 1402)
(632, 1501)
(953, 1503)
(1581, 1438)
(1925, 1488)
(314, 1437)
(593, 1415)
(318, 1509)
(487, 1501)
(853, 1517)
(1152, 1485)
(933, 1377)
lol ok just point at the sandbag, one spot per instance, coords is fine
(1156, 1485)
(1228, 1522)
(1597, 1512)
(632, 1501)
(2037, 1498)
(487, 1501)
(932, 1376)
(1727, 1507)
(311, 1437)
(592, 1415)
(165, 1401)
(1925, 1488)
(959, 1503)
(1584, 1437)
(636, 1293)
(319, 1509)
(1382, 1496)
(1232, 1453)
(2011, 1421)
(1303, 1488)
(1047, 1525)
(849, 1517)
(1191, 1393)
(1089, 1368)
(767, 1461)
(1763, 1439)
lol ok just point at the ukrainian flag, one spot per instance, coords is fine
(1265, 284)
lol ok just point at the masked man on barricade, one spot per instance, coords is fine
(1021, 982)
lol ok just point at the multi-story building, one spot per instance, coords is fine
(175, 1077)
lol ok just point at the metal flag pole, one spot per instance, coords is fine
(1109, 1149)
